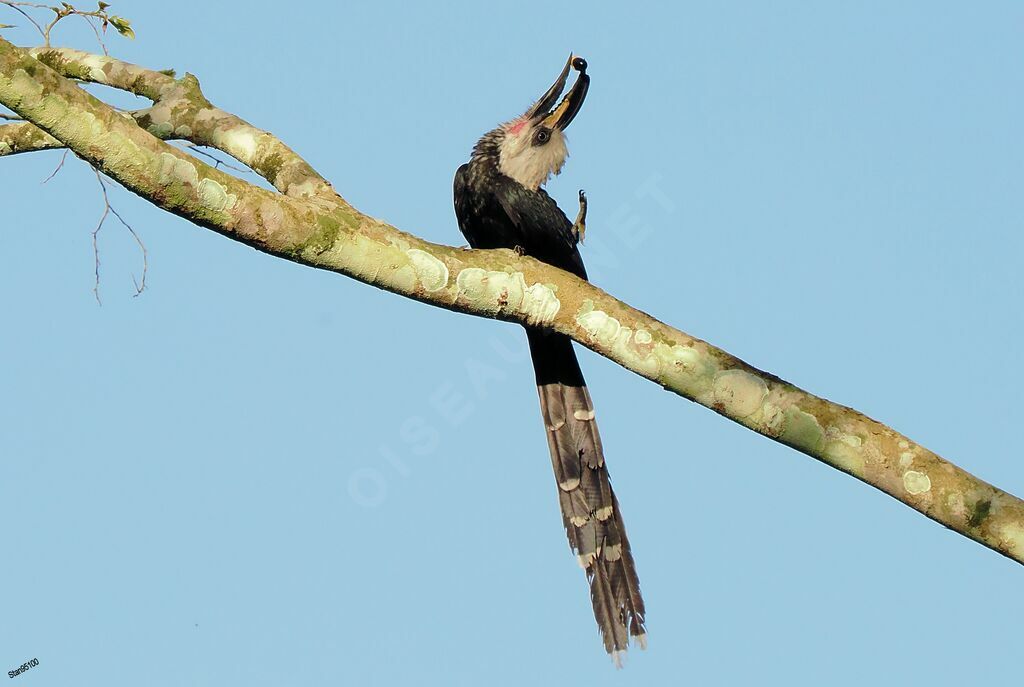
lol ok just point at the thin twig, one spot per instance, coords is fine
(11, 118)
(63, 158)
(217, 161)
(95, 236)
(99, 38)
(14, 6)
(140, 285)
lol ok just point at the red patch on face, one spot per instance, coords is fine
(517, 127)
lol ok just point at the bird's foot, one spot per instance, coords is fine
(579, 227)
(520, 251)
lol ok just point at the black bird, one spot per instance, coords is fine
(499, 203)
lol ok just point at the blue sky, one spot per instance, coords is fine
(250, 474)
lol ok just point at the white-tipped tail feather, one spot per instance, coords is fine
(590, 512)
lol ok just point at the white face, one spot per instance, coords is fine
(530, 152)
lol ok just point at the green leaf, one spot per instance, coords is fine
(103, 6)
(123, 26)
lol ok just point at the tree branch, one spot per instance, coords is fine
(310, 224)
(180, 111)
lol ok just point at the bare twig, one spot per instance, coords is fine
(63, 158)
(15, 6)
(217, 162)
(95, 237)
(140, 285)
(95, 29)
(11, 118)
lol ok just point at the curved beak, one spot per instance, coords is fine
(566, 110)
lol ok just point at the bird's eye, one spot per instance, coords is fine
(542, 136)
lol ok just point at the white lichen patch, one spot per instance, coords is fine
(213, 195)
(685, 358)
(160, 113)
(599, 325)
(95, 65)
(739, 393)
(541, 304)
(239, 142)
(5, 148)
(1011, 537)
(771, 418)
(504, 292)
(161, 129)
(28, 88)
(183, 131)
(843, 450)
(621, 342)
(272, 217)
(370, 261)
(845, 457)
(801, 430)
(89, 127)
(174, 169)
(906, 459)
(431, 272)
(916, 482)
(402, 278)
(956, 505)
(684, 368)
(304, 190)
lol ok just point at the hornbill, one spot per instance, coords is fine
(499, 203)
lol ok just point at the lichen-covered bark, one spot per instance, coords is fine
(181, 111)
(312, 225)
(25, 137)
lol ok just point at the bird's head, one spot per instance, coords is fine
(531, 147)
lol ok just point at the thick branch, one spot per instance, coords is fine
(323, 231)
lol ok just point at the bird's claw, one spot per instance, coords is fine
(519, 250)
(579, 227)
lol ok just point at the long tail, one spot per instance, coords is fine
(590, 512)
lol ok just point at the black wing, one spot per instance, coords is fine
(502, 214)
